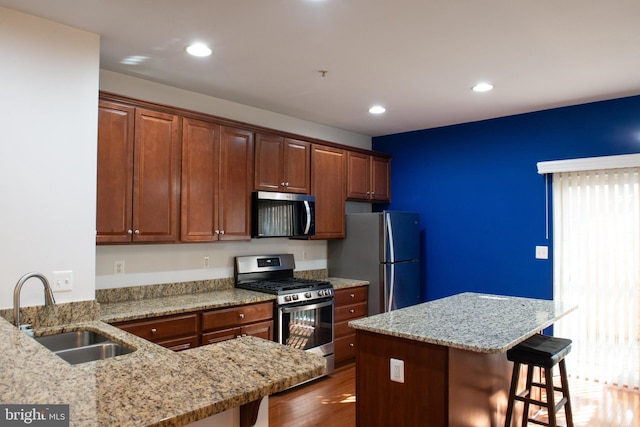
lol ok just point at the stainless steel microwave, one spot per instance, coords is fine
(283, 215)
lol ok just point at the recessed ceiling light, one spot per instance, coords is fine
(198, 49)
(377, 109)
(483, 87)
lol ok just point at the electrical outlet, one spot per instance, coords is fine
(397, 370)
(62, 281)
(118, 267)
(206, 262)
(542, 252)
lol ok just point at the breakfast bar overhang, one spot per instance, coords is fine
(443, 363)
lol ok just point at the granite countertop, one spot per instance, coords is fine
(152, 386)
(176, 304)
(340, 283)
(476, 322)
(151, 307)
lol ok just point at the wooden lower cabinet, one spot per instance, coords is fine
(350, 304)
(228, 323)
(177, 332)
(183, 331)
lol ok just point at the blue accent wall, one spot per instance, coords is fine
(480, 198)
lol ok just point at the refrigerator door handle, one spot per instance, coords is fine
(392, 258)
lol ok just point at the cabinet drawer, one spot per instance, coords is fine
(350, 312)
(345, 347)
(221, 335)
(341, 329)
(161, 328)
(351, 295)
(179, 344)
(236, 316)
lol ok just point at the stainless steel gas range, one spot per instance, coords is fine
(303, 312)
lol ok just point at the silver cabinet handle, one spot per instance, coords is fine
(217, 231)
(282, 184)
(130, 231)
(352, 311)
(137, 232)
(352, 295)
(352, 345)
(242, 315)
(154, 330)
(221, 231)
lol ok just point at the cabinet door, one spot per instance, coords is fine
(358, 185)
(115, 173)
(199, 184)
(156, 177)
(297, 161)
(269, 166)
(328, 181)
(380, 177)
(236, 183)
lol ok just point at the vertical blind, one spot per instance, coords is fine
(596, 217)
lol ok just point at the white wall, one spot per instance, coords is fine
(152, 264)
(49, 81)
(48, 103)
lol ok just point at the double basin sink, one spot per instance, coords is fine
(82, 346)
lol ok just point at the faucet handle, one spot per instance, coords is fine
(27, 329)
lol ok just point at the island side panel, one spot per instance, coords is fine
(479, 389)
(421, 400)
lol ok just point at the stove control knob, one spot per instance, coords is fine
(307, 295)
(295, 297)
(287, 298)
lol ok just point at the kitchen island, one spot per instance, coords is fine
(450, 366)
(151, 386)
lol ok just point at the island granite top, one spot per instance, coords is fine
(482, 323)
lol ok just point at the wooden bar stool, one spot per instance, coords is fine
(543, 352)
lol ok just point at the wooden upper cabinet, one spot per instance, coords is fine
(236, 179)
(216, 182)
(380, 179)
(358, 176)
(368, 177)
(114, 196)
(328, 177)
(156, 177)
(282, 164)
(200, 182)
(138, 175)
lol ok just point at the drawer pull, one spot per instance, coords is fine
(352, 295)
(242, 315)
(351, 345)
(351, 310)
(154, 330)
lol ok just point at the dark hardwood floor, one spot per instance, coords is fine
(330, 402)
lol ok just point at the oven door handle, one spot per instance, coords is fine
(303, 306)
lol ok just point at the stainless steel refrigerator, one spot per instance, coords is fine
(384, 249)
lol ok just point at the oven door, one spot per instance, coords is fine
(307, 326)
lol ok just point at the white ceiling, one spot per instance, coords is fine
(418, 58)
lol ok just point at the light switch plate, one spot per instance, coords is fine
(542, 252)
(62, 281)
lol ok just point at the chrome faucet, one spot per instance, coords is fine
(48, 295)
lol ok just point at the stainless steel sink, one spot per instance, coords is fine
(67, 340)
(93, 352)
(82, 346)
